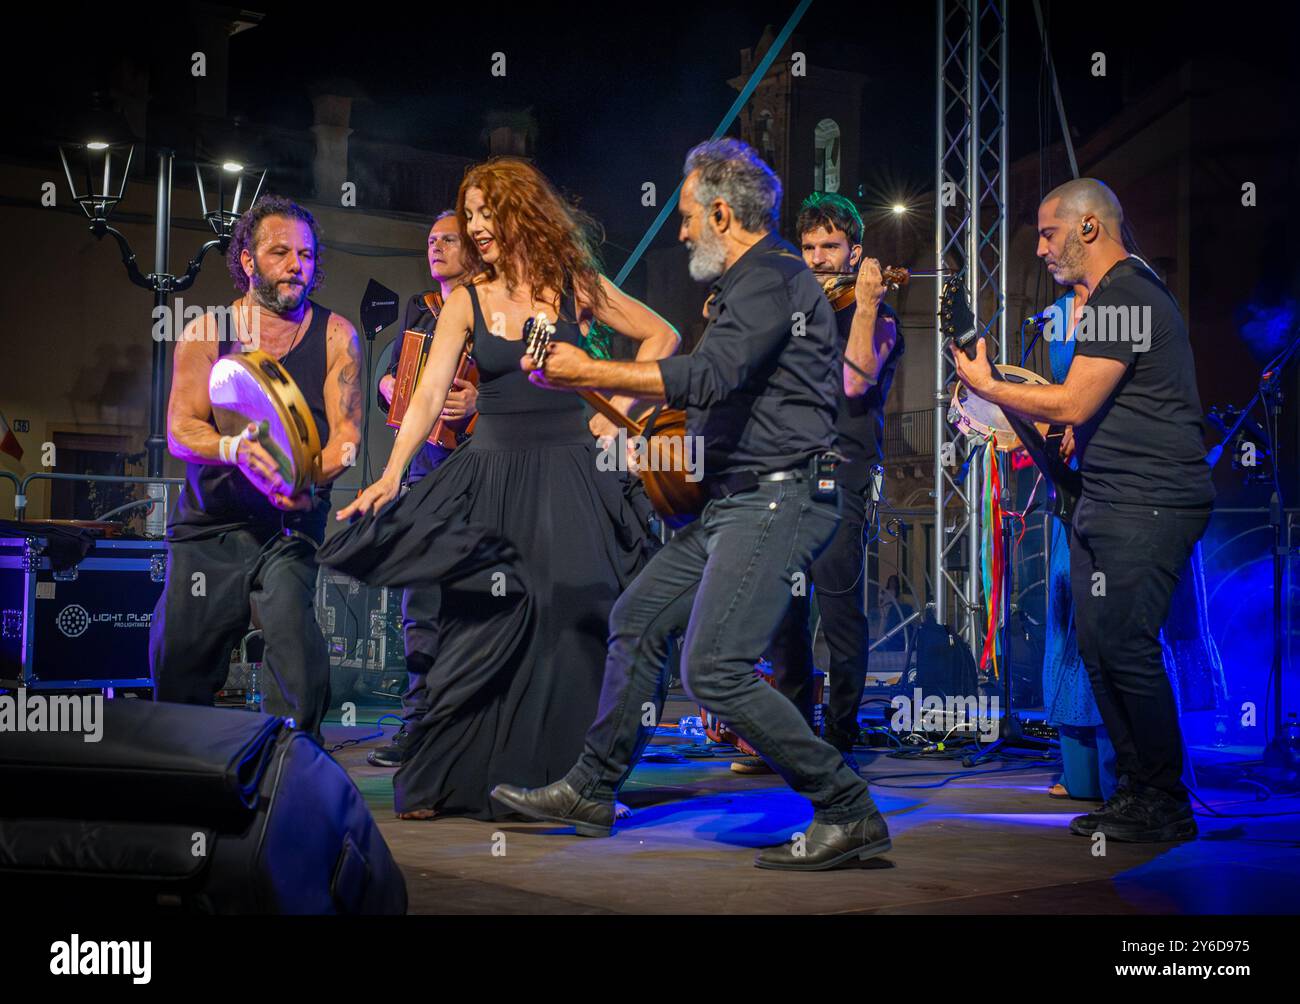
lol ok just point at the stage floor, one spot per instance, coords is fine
(989, 845)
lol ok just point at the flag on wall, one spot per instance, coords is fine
(8, 441)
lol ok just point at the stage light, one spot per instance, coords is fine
(95, 144)
(232, 167)
(899, 209)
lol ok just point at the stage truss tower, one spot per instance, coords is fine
(970, 242)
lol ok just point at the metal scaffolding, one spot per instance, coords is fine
(970, 239)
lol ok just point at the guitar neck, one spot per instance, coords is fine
(607, 408)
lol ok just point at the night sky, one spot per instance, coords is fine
(620, 92)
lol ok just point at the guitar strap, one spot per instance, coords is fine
(653, 419)
(1132, 265)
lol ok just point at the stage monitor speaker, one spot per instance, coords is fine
(189, 809)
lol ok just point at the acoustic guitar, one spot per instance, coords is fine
(676, 500)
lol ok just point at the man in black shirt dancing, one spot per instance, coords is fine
(760, 393)
(830, 237)
(1131, 398)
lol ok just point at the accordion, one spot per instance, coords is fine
(413, 355)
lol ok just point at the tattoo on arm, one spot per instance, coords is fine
(350, 382)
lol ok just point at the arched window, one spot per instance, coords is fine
(826, 159)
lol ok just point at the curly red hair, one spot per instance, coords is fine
(535, 228)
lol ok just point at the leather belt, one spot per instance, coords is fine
(741, 481)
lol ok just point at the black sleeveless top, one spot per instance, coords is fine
(503, 387)
(218, 497)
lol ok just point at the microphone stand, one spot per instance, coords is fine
(1010, 732)
(1281, 763)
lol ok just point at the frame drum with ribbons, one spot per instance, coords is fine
(254, 387)
(975, 417)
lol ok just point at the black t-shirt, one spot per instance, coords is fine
(860, 425)
(1145, 444)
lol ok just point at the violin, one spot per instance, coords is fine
(839, 285)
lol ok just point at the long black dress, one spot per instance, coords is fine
(531, 544)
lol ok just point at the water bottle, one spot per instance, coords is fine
(253, 690)
(155, 520)
(1220, 730)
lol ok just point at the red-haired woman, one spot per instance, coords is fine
(530, 541)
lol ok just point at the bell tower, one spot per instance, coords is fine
(804, 119)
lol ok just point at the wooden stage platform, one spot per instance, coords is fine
(994, 844)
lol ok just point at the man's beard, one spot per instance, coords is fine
(277, 298)
(708, 257)
(1069, 267)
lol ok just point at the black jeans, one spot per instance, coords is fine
(420, 608)
(726, 579)
(1125, 562)
(213, 584)
(838, 574)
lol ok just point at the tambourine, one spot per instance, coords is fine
(254, 387)
(972, 416)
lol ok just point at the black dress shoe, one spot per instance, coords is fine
(559, 803)
(1151, 817)
(392, 755)
(827, 845)
(1086, 825)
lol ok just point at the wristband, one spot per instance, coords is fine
(228, 449)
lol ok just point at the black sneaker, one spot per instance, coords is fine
(1086, 825)
(1152, 817)
(391, 755)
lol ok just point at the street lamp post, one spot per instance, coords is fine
(99, 206)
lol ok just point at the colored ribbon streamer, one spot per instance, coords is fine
(992, 566)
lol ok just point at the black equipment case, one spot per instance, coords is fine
(76, 624)
(187, 809)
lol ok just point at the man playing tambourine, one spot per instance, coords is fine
(241, 539)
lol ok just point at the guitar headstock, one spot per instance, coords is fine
(956, 320)
(538, 332)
